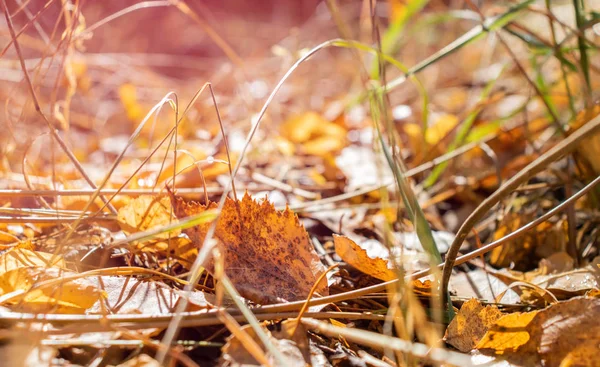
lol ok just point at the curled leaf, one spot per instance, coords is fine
(372, 258)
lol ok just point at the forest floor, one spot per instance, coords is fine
(292, 183)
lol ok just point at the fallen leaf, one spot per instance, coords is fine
(508, 335)
(146, 212)
(185, 163)
(556, 274)
(317, 135)
(267, 254)
(371, 257)
(20, 257)
(21, 269)
(421, 288)
(129, 99)
(562, 334)
(470, 325)
(571, 283)
(191, 176)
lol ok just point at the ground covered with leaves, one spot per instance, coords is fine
(293, 183)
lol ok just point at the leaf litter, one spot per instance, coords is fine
(104, 221)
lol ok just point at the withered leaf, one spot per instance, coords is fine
(146, 212)
(470, 325)
(267, 254)
(21, 269)
(371, 259)
(563, 334)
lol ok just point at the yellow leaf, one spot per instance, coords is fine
(437, 131)
(146, 212)
(317, 135)
(470, 324)
(20, 269)
(191, 177)
(440, 128)
(371, 260)
(323, 145)
(19, 258)
(563, 334)
(521, 253)
(185, 163)
(397, 10)
(508, 334)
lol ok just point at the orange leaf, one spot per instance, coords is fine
(371, 260)
(268, 255)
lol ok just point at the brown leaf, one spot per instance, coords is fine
(268, 255)
(372, 258)
(563, 334)
(470, 324)
(589, 149)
